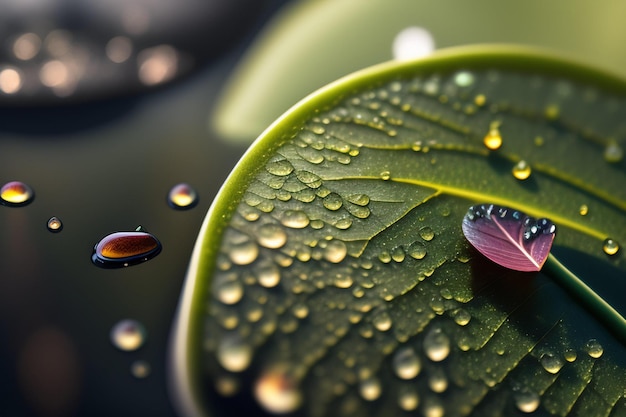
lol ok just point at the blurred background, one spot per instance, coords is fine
(107, 105)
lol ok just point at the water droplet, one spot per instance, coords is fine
(128, 335)
(16, 194)
(382, 322)
(277, 392)
(233, 354)
(54, 224)
(335, 251)
(551, 363)
(493, 139)
(269, 276)
(438, 382)
(521, 170)
(140, 369)
(358, 211)
(406, 363)
(583, 210)
(271, 236)
(464, 79)
(370, 389)
(229, 292)
(343, 224)
(526, 401)
(462, 317)
(318, 130)
(295, 219)
(610, 246)
(436, 345)
(122, 249)
(359, 199)
(397, 254)
(301, 311)
(408, 401)
(385, 175)
(427, 233)
(243, 253)
(280, 168)
(384, 257)
(594, 348)
(570, 355)
(417, 250)
(613, 152)
(552, 112)
(182, 196)
(480, 100)
(332, 201)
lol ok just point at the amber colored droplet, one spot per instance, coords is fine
(54, 224)
(493, 139)
(122, 249)
(182, 197)
(16, 194)
(522, 170)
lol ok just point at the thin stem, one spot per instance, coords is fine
(596, 304)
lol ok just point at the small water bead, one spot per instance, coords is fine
(426, 233)
(570, 355)
(382, 322)
(335, 251)
(406, 364)
(342, 224)
(436, 345)
(128, 335)
(551, 363)
(182, 197)
(121, 249)
(295, 219)
(526, 401)
(610, 246)
(16, 194)
(493, 139)
(269, 276)
(385, 175)
(613, 152)
(438, 382)
(229, 292)
(370, 389)
(332, 201)
(300, 310)
(243, 253)
(583, 210)
(140, 369)
(271, 236)
(521, 170)
(539, 141)
(594, 348)
(552, 112)
(54, 224)
(318, 130)
(384, 257)
(277, 391)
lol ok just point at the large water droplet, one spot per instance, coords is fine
(271, 236)
(426, 233)
(243, 253)
(277, 392)
(54, 224)
(526, 401)
(16, 194)
(436, 345)
(229, 292)
(182, 197)
(521, 170)
(406, 363)
(610, 246)
(493, 139)
(269, 276)
(594, 348)
(295, 219)
(332, 201)
(335, 251)
(417, 250)
(280, 168)
(122, 249)
(382, 322)
(551, 363)
(128, 335)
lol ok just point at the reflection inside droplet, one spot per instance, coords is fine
(128, 335)
(413, 42)
(182, 196)
(122, 249)
(16, 194)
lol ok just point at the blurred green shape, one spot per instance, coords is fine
(312, 43)
(331, 276)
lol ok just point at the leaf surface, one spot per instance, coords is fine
(332, 278)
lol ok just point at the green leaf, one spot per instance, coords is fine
(331, 276)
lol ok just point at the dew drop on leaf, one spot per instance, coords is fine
(406, 363)
(182, 197)
(610, 246)
(583, 210)
(436, 345)
(408, 401)
(370, 389)
(16, 194)
(427, 233)
(521, 170)
(594, 348)
(551, 363)
(527, 401)
(493, 139)
(271, 236)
